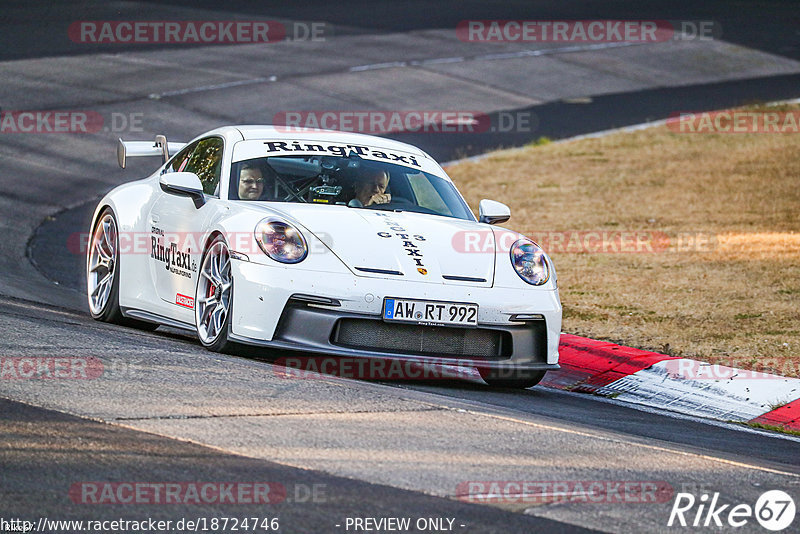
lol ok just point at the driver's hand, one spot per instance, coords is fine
(382, 198)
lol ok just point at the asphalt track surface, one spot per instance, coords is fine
(166, 410)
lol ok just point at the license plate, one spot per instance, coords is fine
(430, 312)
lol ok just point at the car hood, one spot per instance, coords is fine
(400, 245)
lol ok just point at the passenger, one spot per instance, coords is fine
(371, 188)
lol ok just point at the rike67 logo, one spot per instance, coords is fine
(774, 510)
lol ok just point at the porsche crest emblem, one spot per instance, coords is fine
(422, 271)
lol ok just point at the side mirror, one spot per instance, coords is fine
(493, 212)
(186, 184)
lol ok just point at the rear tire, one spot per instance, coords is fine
(509, 378)
(102, 270)
(102, 274)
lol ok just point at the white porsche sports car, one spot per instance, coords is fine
(325, 242)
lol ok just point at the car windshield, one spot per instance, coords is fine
(350, 181)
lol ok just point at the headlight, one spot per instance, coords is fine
(529, 261)
(281, 241)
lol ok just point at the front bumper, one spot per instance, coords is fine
(344, 319)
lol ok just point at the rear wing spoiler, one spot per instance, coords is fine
(159, 147)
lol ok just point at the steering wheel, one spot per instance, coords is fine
(402, 204)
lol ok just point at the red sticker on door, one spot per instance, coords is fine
(183, 300)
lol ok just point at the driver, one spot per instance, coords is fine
(371, 188)
(251, 183)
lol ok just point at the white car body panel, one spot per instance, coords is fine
(365, 238)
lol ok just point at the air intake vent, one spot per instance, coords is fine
(462, 278)
(378, 271)
(437, 341)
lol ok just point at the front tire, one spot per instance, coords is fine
(213, 299)
(511, 378)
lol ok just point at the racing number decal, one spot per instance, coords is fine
(408, 241)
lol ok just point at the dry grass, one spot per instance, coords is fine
(726, 289)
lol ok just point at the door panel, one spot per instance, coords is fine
(177, 226)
